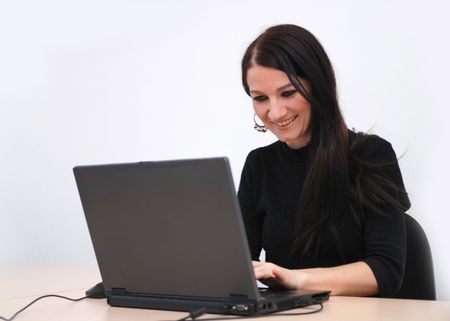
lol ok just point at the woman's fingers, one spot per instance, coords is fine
(257, 263)
(274, 275)
(264, 270)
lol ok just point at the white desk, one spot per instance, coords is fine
(19, 286)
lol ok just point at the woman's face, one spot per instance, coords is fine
(280, 107)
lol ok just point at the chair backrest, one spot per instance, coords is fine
(418, 281)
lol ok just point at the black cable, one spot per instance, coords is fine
(192, 315)
(199, 312)
(195, 314)
(42, 297)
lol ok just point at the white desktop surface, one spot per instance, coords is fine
(20, 285)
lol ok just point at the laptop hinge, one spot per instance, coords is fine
(238, 298)
(118, 291)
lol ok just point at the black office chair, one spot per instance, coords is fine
(418, 281)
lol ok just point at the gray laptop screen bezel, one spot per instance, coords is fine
(168, 228)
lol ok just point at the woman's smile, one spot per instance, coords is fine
(284, 123)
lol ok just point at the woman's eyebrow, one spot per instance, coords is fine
(284, 87)
(279, 89)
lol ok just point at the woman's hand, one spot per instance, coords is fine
(354, 279)
(276, 276)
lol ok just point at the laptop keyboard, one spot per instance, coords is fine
(271, 293)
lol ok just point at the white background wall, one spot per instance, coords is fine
(94, 81)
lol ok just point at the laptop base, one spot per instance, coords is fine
(240, 307)
(237, 305)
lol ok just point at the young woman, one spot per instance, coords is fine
(325, 203)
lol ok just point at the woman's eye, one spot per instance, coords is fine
(259, 98)
(288, 93)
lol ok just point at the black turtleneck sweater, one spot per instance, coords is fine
(271, 182)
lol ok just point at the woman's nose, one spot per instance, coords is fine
(277, 111)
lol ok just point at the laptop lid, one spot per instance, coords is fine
(168, 228)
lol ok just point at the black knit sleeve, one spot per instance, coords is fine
(252, 220)
(384, 230)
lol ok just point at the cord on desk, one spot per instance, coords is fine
(192, 315)
(42, 297)
(199, 312)
(195, 314)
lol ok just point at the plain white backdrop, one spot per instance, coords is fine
(92, 81)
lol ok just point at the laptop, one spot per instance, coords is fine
(169, 235)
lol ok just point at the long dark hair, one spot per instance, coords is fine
(328, 185)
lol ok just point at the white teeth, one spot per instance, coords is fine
(285, 122)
